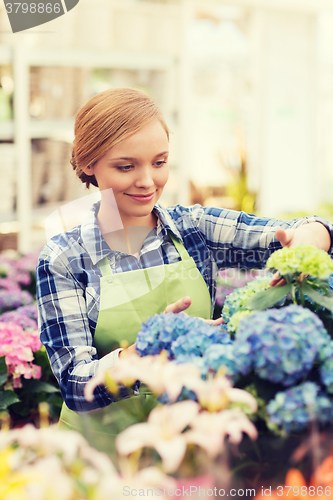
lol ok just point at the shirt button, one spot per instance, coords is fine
(110, 280)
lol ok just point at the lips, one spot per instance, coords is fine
(143, 198)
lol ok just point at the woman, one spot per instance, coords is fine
(131, 257)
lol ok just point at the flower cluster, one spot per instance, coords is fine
(296, 407)
(238, 300)
(18, 346)
(170, 428)
(229, 279)
(18, 268)
(48, 463)
(13, 299)
(25, 317)
(326, 368)
(221, 355)
(235, 319)
(178, 334)
(299, 259)
(164, 431)
(280, 345)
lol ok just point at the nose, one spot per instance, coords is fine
(145, 177)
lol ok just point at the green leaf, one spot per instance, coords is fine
(268, 298)
(40, 386)
(3, 370)
(7, 398)
(322, 300)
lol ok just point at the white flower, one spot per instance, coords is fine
(156, 372)
(162, 431)
(208, 430)
(217, 393)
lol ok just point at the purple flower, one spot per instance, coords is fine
(19, 319)
(14, 299)
(30, 311)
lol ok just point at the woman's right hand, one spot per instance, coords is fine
(185, 302)
(178, 306)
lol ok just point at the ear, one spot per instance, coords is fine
(89, 170)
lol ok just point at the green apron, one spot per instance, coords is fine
(126, 300)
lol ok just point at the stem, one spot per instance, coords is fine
(293, 294)
(301, 294)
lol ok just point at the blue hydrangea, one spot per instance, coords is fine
(238, 300)
(196, 341)
(198, 361)
(293, 409)
(326, 368)
(330, 281)
(178, 334)
(218, 355)
(280, 345)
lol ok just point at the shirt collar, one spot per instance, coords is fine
(96, 245)
(92, 237)
(165, 222)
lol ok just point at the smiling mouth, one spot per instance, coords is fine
(141, 197)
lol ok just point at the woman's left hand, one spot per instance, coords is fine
(313, 233)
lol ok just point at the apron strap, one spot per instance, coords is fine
(179, 247)
(105, 267)
(106, 270)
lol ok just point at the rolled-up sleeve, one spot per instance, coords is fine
(245, 240)
(65, 332)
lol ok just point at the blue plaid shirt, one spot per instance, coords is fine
(68, 278)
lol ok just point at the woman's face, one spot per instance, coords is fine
(136, 169)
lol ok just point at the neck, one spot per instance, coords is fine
(119, 230)
(109, 219)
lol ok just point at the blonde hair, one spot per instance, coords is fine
(106, 119)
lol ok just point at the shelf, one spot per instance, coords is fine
(6, 130)
(311, 6)
(90, 59)
(98, 59)
(5, 54)
(61, 129)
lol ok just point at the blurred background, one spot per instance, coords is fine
(246, 87)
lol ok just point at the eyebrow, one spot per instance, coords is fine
(129, 158)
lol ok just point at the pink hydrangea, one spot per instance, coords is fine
(28, 262)
(18, 268)
(18, 347)
(9, 284)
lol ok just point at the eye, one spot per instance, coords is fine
(160, 163)
(124, 168)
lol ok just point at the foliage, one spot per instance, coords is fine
(306, 270)
(274, 348)
(290, 344)
(25, 374)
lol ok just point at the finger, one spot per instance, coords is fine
(218, 321)
(179, 306)
(277, 280)
(214, 322)
(284, 236)
(129, 351)
(281, 282)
